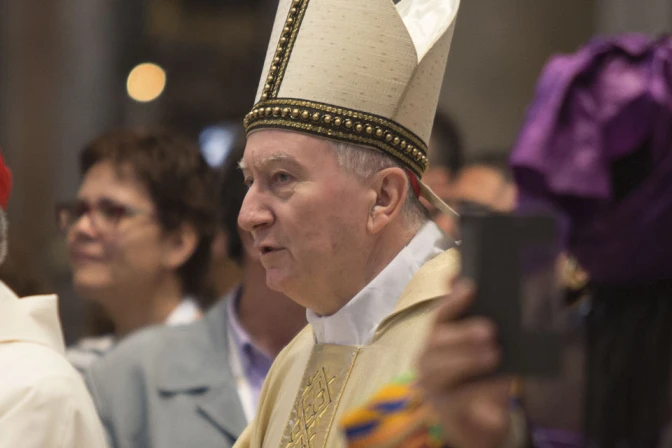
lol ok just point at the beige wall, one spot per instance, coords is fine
(498, 50)
(646, 16)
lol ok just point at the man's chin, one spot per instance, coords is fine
(277, 280)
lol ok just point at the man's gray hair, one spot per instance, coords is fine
(364, 163)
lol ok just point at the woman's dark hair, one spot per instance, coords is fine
(232, 194)
(179, 181)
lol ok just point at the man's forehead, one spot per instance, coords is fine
(261, 160)
(266, 147)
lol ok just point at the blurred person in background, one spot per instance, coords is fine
(483, 182)
(43, 401)
(139, 234)
(199, 384)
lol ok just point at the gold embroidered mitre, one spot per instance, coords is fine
(366, 72)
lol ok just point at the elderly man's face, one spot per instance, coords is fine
(306, 214)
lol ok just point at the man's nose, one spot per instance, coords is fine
(255, 213)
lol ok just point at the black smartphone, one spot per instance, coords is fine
(513, 261)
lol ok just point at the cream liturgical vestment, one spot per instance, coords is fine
(43, 400)
(311, 384)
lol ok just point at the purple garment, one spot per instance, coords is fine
(554, 438)
(591, 108)
(255, 363)
(548, 438)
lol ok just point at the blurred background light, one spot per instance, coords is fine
(217, 142)
(146, 82)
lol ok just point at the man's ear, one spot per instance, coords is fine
(390, 186)
(179, 246)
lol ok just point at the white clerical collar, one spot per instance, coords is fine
(356, 322)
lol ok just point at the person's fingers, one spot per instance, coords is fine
(453, 280)
(492, 399)
(457, 302)
(441, 373)
(456, 350)
(458, 334)
(476, 415)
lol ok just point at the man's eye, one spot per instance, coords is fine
(249, 181)
(281, 178)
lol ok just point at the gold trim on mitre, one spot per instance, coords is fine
(362, 72)
(285, 44)
(341, 124)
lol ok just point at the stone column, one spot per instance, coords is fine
(91, 89)
(29, 129)
(91, 85)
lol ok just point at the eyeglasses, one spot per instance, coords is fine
(104, 214)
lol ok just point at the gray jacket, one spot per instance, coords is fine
(170, 387)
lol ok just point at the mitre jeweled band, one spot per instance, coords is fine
(342, 124)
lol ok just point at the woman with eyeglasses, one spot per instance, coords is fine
(139, 233)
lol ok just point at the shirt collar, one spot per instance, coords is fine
(356, 322)
(186, 312)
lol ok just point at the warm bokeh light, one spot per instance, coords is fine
(146, 82)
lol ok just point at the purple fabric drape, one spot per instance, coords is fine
(592, 108)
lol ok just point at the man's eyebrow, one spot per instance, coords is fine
(242, 164)
(278, 157)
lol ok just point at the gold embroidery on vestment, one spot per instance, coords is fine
(322, 386)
